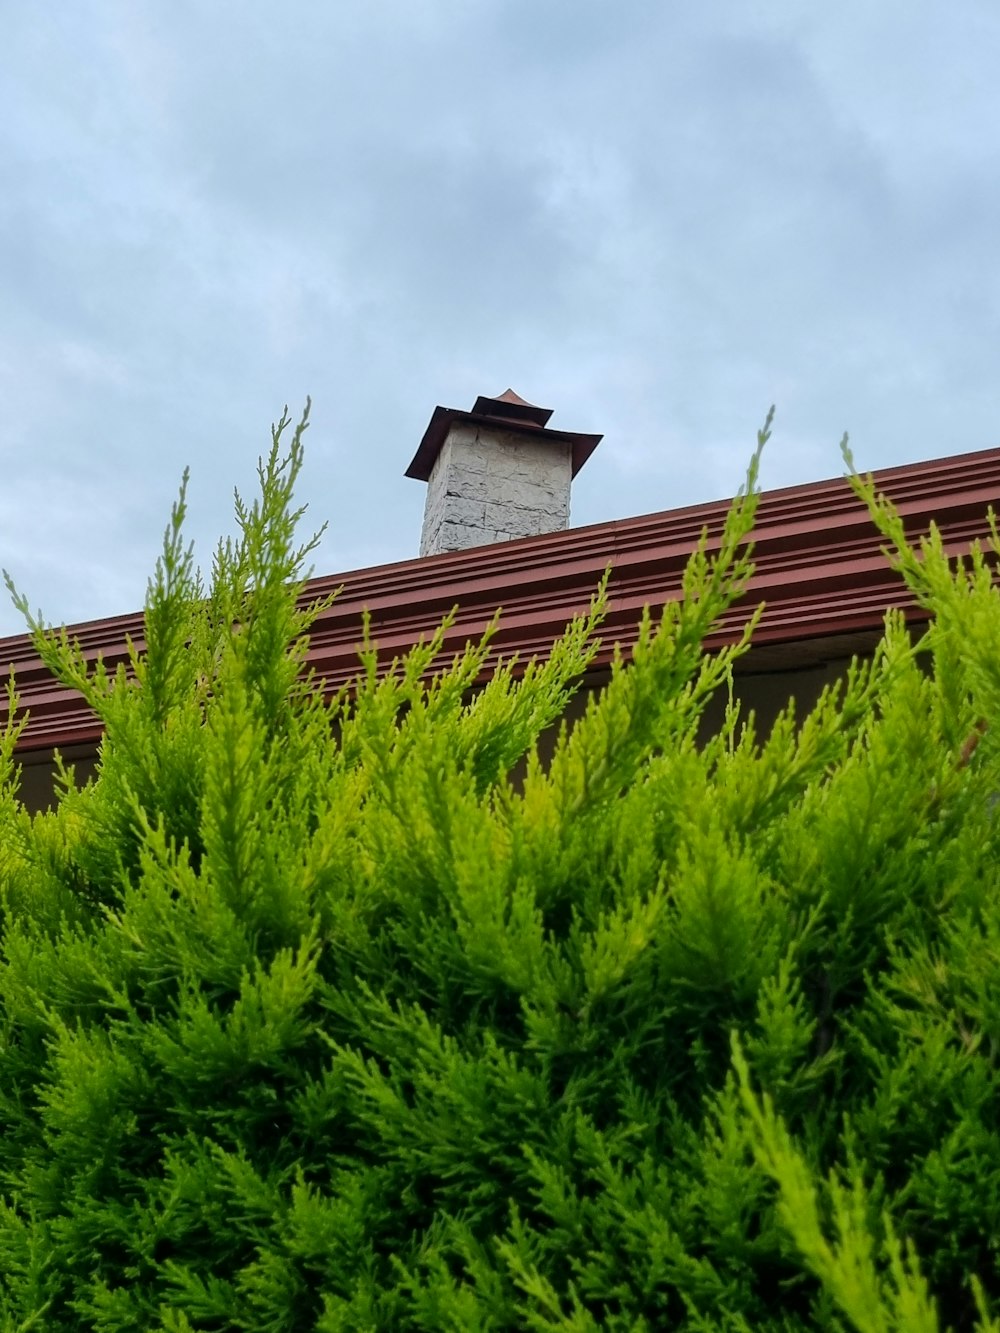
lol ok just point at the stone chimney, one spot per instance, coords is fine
(495, 473)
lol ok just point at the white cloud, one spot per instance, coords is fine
(654, 219)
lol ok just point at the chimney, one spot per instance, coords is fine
(495, 473)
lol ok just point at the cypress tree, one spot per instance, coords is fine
(354, 1014)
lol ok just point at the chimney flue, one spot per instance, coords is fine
(495, 474)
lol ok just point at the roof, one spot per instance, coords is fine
(818, 567)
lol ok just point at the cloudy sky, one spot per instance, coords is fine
(655, 218)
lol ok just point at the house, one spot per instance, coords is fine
(495, 534)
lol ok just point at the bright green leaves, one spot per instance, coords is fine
(364, 1015)
(879, 1287)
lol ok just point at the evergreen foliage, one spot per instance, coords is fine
(353, 1014)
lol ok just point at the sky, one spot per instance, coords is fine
(655, 218)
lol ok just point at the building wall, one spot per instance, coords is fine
(766, 692)
(38, 772)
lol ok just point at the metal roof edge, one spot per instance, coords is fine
(818, 560)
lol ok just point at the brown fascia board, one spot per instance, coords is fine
(443, 418)
(819, 569)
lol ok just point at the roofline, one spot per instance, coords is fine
(818, 561)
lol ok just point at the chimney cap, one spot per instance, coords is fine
(509, 412)
(511, 407)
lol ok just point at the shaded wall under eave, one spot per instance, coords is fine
(38, 773)
(764, 682)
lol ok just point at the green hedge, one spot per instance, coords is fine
(314, 1015)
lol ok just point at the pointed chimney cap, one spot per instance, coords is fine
(508, 411)
(509, 406)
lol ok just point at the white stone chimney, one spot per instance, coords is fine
(495, 473)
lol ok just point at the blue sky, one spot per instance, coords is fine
(654, 218)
